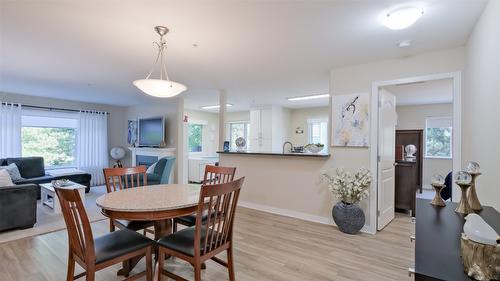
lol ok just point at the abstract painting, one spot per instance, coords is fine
(132, 132)
(350, 117)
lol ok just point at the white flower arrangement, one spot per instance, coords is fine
(347, 187)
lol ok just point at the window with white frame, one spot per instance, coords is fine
(237, 130)
(195, 137)
(438, 137)
(51, 135)
(317, 131)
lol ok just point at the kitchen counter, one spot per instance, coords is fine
(289, 154)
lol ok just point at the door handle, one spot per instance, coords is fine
(395, 164)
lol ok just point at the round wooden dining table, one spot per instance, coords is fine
(158, 203)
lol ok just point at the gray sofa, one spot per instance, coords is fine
(32, 170)
(18, 206)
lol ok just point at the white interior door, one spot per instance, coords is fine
(386, 158)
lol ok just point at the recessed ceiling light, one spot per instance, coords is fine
(214, 106)
(402, 18)
(309, 97)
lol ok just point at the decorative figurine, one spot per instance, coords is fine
(474, 170)
(463, 179)
(438, 183)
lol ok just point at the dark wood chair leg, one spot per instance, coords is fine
(197, 271)
(174, 226)
(71, 267)
(90, 273)
(161, 260)
(230, 263)
(111, 225)
(149, 264)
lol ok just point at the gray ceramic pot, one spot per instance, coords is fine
(348, 217)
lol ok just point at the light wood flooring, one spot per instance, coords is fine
(267, 247)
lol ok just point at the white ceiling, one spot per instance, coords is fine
(259, 51)
(429, 92)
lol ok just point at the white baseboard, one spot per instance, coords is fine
(294, 214)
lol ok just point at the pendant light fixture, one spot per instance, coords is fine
(163, 87)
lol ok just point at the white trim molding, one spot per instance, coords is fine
(457, 129)
(294, 214)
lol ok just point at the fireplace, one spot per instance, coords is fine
(145, 160)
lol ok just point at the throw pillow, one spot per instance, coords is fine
(13, 171)
(151, 169)
(5, 179)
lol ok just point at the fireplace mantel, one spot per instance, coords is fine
(151, 151)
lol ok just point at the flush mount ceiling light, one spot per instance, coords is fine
(215, 106)
(309, 97)
(402, 18)
(163, 87)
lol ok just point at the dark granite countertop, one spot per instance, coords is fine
(315, 155)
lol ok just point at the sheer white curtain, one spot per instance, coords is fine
(92, 144)
(10, 130)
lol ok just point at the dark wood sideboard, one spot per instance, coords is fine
(437, 240)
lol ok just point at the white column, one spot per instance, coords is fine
(222, 118)
(182, 154)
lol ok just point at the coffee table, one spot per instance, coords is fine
(49, 197)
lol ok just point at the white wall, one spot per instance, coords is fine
(413, 118)
(117, 126)
(481, 114)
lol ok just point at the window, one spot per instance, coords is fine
(195, 137)
(237, 130)
(51, 135)
(438, 137)
(317, 131)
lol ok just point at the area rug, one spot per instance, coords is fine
(47, 221)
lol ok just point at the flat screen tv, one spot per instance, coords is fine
(151, 131)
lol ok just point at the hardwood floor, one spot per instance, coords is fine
(267, 247)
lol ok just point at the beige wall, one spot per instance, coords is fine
(117, 127)
(294, 184)
(299, 117)
(413, 118)
(210, 136)
(481, 131)
(162, 107)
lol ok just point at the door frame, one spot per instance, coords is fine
(457, 130)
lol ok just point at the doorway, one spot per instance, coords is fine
(418, 135)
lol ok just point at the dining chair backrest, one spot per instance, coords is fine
(81, 241)
(219, 202)
(121, 178)
(218, 175)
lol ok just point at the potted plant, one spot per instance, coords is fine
(350, 189)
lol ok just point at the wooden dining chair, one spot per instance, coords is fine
(122, 178)
(213, 175)
(207, 238)
(96, 254)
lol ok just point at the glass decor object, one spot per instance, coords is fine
(473, 169)
(463, 179)
(437, 182)
(163, 87)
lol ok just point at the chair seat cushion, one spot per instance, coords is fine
(119, 243)
(190, 220)
(134, 225)
(182, 241)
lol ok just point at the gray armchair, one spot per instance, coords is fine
(18, 206)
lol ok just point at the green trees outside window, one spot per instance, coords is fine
(195, 137)
(56, 145)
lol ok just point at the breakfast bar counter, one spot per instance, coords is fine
(291, 154)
